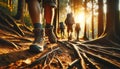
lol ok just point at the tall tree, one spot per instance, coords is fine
(100, 17)
(92, 19)
(20, 10)
(117, 25)
(76, 6)
(112, 19)
(111, 35)
(85, 28)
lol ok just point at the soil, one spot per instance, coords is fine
(15, 54)
(12, 57)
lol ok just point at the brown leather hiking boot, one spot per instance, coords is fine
(51, 36)
(38, 43)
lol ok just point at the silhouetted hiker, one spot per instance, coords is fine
(77, 30)
(62, 28)
(35, 13)
(69, 21)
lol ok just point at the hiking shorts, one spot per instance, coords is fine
(52, 3)
(69, 28)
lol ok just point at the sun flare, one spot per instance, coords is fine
(79, 17)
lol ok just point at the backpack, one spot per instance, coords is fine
(62, 25)
(69, 20)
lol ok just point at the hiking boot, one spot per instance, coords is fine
(38, 43)
(51, 36)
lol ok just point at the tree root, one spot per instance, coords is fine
(106, 39)
(8, 42)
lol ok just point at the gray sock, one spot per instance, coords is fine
(37, 25)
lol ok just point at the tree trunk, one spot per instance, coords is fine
(100, 18)
(112, 20)
(110, 25)
(111, 36)
(92, 20)
(20, 10)
(85, 31)
(117, 23)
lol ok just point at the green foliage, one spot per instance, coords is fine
(3, 0)
(4, 9)
(63, 4)
(4, 6)
(14, 8)
(27, 21)
(8, 9)
(62, 9)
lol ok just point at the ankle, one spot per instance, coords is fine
(48, 26)
(37, 25)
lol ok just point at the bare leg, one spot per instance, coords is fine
(34, 10)
(49, 16)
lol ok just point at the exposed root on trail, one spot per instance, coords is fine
(105, 40)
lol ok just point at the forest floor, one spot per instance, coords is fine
(11, 58)
(61, 55)
(15, 54)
